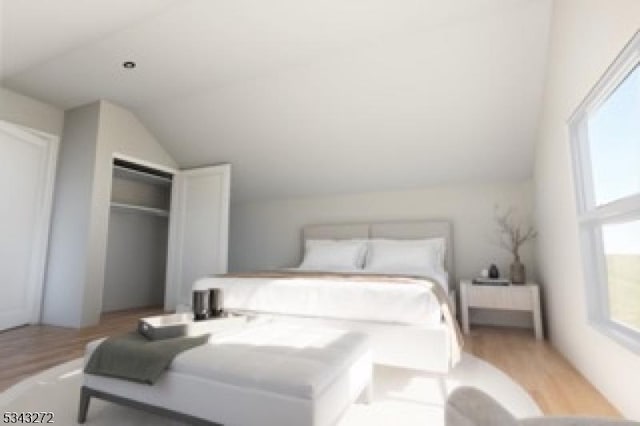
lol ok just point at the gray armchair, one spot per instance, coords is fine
(468, 406)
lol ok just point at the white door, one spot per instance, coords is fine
(27, 169)
(198, 230)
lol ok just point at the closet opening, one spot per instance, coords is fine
(137, 240)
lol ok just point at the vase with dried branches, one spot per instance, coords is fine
(512, 236)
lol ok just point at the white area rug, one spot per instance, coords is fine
(401, 397)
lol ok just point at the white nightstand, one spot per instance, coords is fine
(514, 297)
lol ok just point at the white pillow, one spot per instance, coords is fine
(406, 256)
(334, 255)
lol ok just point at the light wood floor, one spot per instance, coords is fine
(27, 350)
(554, 384)
(557, 387)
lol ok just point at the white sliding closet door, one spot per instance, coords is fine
(199, 230)
(27, 169)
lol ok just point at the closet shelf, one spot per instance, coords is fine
(140, 209)
(127, 173)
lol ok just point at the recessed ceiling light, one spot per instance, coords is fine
(129, 65)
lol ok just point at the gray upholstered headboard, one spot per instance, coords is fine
(395, 230)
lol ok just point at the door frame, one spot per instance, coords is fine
(175, 176)
(38, 262)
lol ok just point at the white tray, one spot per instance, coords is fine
(183, 324)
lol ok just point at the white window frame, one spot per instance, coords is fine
(591, 217)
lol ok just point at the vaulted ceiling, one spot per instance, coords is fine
(303, 97)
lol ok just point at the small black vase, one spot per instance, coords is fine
(493, 272)
(200, 305)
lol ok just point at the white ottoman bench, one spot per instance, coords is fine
(269, 374)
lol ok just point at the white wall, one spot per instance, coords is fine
(586, 37)
(77, 257)
(29, 112)
(70, 223)
(267, 234)
(136, 261)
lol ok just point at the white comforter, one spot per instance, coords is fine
(304, 296)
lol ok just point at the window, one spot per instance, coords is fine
(605, 142)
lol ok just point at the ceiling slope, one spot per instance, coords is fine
(308, 97)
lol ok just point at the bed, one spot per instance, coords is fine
(407, 314)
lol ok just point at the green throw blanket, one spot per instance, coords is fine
(133, 357)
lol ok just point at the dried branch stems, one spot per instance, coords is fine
(512, 237)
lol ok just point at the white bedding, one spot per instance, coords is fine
(334, 298)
